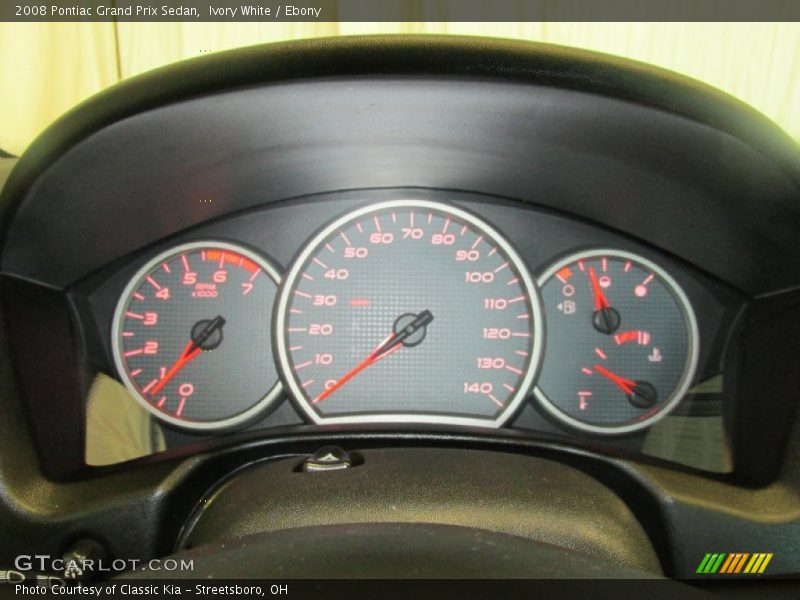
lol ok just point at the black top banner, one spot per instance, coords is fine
(398, 10)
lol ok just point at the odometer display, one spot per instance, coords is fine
(409, 311)
(192, 336)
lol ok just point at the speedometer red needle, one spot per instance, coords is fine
(626, 385)
(189, 352)
(393, 342)
(381, 351)
(600, 300)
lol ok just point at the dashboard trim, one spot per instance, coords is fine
(472, 59)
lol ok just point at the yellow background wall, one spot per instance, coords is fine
(46, 68)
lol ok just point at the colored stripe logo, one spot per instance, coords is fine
(734, 563)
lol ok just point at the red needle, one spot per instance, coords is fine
(393, 341)
(380, 351)
(600, 300)
(626, 385)
(193, 348)
(187, 355)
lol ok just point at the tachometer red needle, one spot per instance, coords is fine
(600, 300)
(192, 349)
(189, 352)
(626, 385)
(381, 351)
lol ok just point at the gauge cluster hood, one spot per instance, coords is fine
(502, 117)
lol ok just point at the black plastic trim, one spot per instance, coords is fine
(363, 56)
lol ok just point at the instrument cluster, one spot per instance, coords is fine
(412, 311)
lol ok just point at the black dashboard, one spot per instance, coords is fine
(422, 245)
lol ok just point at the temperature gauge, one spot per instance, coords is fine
(621, 347)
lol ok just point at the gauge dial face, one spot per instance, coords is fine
(192, 336)
(621, 348)
(409, 311)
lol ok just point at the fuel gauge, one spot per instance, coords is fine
(621, 344)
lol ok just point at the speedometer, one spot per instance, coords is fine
(409, 311)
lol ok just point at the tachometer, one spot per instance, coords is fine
(192, 336)
(409, 311)
(622, 341)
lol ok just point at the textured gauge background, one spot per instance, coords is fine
(229, 384)
(406, 257)
(655, 341)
